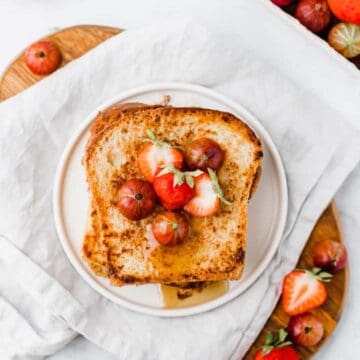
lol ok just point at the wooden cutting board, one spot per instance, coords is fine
(74, 42)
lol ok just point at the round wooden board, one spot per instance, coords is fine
(74, 42)
(327, 227)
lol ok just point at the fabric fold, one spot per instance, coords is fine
(318, 147)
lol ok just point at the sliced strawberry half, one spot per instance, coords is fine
(208, 195)
(155, 154)
(304, 290)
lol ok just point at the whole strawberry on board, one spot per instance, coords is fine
(277, 348)
(156, 153)
(304, 290)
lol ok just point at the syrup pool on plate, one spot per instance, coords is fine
(176, 297)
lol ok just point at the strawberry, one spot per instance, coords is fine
(174, 188)
(155, 153)
(42, 57)
(277, 348)
(304, 290)
(207, 197)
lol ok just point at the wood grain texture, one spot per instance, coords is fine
(74, 42)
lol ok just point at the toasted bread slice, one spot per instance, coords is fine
(216, 247)
(93, 249)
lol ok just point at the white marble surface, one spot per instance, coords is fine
(22, 21)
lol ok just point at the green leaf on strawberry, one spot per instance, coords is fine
(318, 274)
(216, 186)
(155, 153)
(180, 176)
(275, 342)
(152, 138)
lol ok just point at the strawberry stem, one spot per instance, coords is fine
(318, 274)
(216, 186)
(174, 225)
(180, 176)
(152, 138)
(273, 342)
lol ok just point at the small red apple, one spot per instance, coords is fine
(42, 57)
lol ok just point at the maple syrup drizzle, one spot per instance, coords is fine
(178, 297)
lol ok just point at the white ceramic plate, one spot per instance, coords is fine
(267, 210)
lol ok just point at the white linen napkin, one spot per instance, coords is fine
(44, 303)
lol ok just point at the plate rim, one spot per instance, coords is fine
(248, 118)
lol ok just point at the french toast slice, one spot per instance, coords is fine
(93, 249)
(215, 249)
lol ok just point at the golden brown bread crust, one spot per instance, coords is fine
(175, 264)
(93, 249)
(113, 113)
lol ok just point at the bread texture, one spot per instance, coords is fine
(124, 250)
(94, 250)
